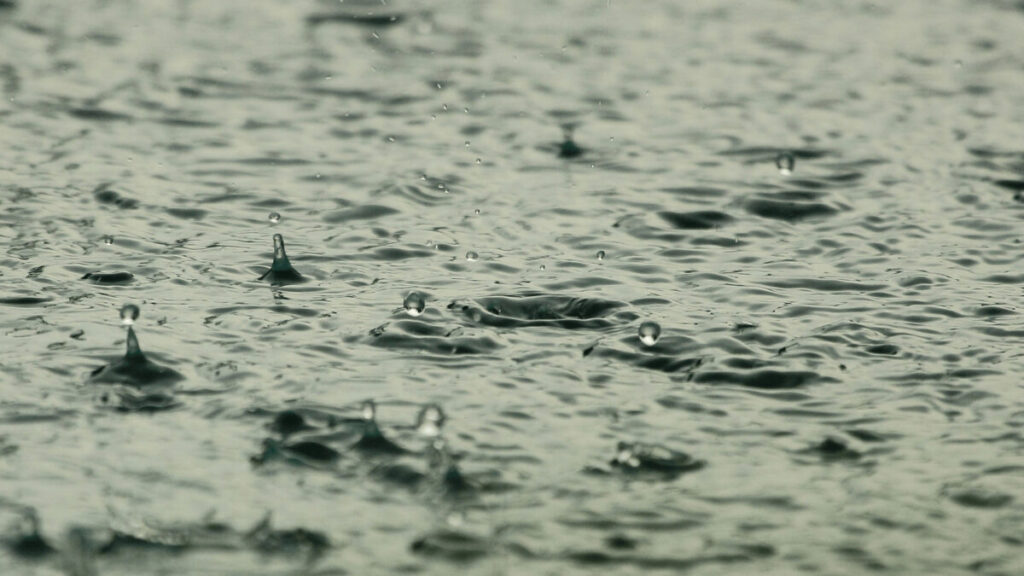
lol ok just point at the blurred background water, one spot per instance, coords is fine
(819, 205)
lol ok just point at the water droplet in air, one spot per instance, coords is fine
(369, 411)
(108, 240)
(274, 217)
(129, 314)
(430, 420)
(785, 163)
(600, 254)
(472, 256)
(649, 333)
(414, 304)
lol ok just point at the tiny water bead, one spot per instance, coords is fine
(649, 333)
(129, 314)
(472, 256)
(414, 304)
(430, 420)
(369, 411)
(785, 162)
(600, 254)
(108, 240)
(274, 217)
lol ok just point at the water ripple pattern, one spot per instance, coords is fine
(571, 287)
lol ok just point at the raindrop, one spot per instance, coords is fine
(274, 217)
(649, 333)
(414, 304)
(129, 314)
(369, 411)
(600, 254)
(472, 256)
(108, 240)
(785, 163)
(430, 420)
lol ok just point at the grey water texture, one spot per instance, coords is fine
(548, 287)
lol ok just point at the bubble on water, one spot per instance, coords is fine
(414, 304)
(649, 333)
(472, 256)
(274, 217)
(785, 162)
(430, 420)
(600, 254)
(108, 240)
(129, 314)
(369, 411)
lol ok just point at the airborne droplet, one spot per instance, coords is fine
(369, 411)
(414, 304)
(274, 217)
(785, 162)
(649, 333)
(430, 420)
(129, 314)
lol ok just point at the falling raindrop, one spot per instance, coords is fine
(274, 217)
(785, 162)
(649, 333)
(369, 411)
(129, 314)
(414, 304)
(430, 420)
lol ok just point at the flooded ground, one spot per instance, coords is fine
(818, 205)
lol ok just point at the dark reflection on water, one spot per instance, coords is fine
(819, 204)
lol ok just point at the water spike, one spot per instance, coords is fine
(280, 257)
(132, 349)
(281, 271)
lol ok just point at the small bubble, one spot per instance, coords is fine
(478, 160)
(129, 314)
(414, 304)
(600, 254)
(649, 333)
(785, 162)
(543, 267)
(477, 211)
(274, 217)
(108, 240)
(472, 256)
